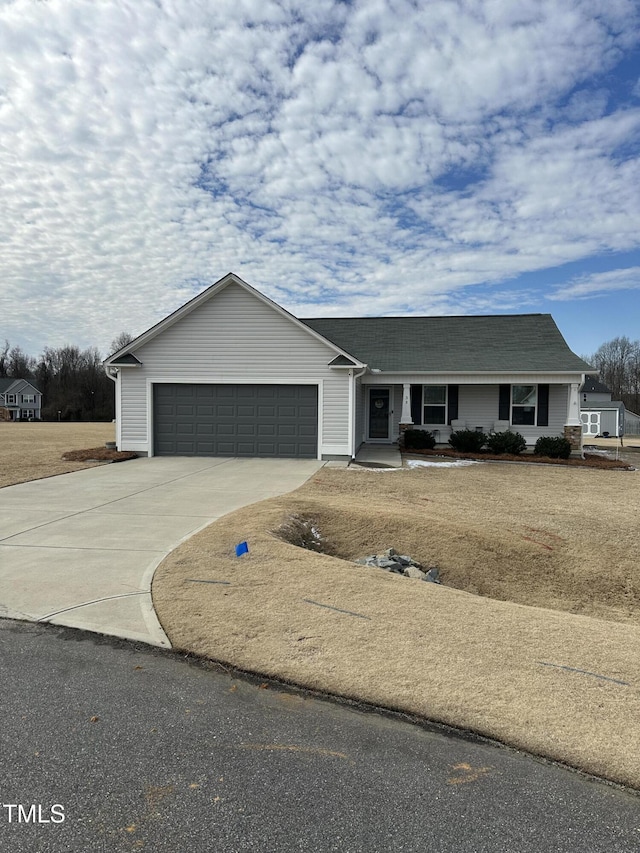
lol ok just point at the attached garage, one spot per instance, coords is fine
(235, 420)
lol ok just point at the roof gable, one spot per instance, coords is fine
(469, 343)
(11, 385)
(592, 385)
(118, 358)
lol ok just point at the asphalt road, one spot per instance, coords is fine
(123, 748)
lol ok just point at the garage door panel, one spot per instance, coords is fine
(225, 430)
(225, 411)
(236, 420)
(287, 430)
(287, 411)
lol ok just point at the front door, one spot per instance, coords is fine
(379, 411)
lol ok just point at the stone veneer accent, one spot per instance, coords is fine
(574, 436)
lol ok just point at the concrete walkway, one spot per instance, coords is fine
(379, 456)
(80, 549)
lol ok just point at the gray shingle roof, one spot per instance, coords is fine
(592, 385)
(505, 342)
(7, 382)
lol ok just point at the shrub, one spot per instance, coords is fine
(467, 440)
(553, 447)
(418, 439)
(506, 442)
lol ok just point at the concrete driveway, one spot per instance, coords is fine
(80, 549)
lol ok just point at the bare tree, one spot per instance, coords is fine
(3, 359)
(618, 361)
(120, 341)
(19, 365)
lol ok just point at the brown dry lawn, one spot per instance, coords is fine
(31, 451)
(533, 639)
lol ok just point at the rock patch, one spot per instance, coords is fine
(401, 564)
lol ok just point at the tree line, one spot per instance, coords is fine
(72, 381)
(618, 361)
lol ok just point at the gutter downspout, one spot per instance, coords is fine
(352, 410)
(114, 374)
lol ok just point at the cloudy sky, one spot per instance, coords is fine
(346, 158)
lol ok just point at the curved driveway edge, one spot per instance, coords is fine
(81, 549)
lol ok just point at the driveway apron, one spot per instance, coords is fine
(81, 549)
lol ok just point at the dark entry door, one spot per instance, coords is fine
(379, 413)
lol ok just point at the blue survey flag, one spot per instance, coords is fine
(241, 549)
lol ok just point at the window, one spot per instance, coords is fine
(523, 405)
(11, 399)
(434, 404)
(25, 414)
(28, 398)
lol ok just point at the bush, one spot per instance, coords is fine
(418, 439)
(506, 442)
(467, 440)
(553, 447)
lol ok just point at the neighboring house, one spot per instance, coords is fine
(602, 416)
(231, 373)
(19, 400)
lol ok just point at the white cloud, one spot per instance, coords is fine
(599, 284)
(383, 155)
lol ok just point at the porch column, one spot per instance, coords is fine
(573, 409)
(573, 426)
(405, 417)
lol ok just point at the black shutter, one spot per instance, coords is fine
(504, 403)
(543, 405)
(416, 404)
(453, 404)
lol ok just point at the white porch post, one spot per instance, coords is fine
(573, 426)
(405, 417)
(573, 409)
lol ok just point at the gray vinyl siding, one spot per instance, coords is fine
(360, 404)
(478, 406)
(134, 407)
(595, 398)
(335, 430)
(236, 338)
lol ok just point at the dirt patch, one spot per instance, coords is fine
(31, 451)
(508, 663)
(99, 454)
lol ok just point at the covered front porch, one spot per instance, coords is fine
(532, 407)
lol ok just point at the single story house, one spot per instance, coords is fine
(602, 416)
(19, 400)
(232, 373)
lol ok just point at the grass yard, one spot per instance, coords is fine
(31, 451)
(532, 639)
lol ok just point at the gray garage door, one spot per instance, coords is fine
(236, 420)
